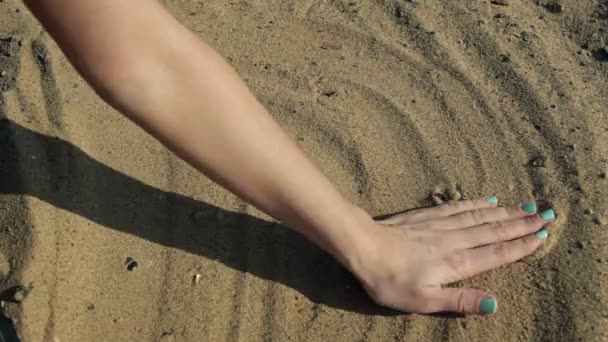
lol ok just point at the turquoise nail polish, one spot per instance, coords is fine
(487, 306)
(548, 215)
(492, 200)
(528, 207)
(542, 234)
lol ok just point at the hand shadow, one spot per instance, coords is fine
(61, 174)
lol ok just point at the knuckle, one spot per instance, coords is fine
(477, 216)
(504, 213)
(501, 231)
(461, 301)
(502, 251)
(467, 204)
(531, 224)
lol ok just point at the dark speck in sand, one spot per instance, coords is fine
(500, 2)
(131, 264)
(598, 220)
(553, 6)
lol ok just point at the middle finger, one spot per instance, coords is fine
(494, 232)
(478, 217)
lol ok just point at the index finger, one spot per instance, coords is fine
(443, 210)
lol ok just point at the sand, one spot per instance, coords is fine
(391, 97)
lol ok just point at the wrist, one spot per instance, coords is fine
(351, 243)
(336, 225)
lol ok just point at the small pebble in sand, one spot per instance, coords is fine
(553, 6)
(328, 45)
(580, 245)
(400, 12)
(500, 2)
(91, 306)
(131, 264)
(589, 211)
(3, 73)
(329, 93)
(197, 277)
(602, 175)
(168, 336)
(455, 195)
(438, 194)
(598, 220)
(538, 161)
(441, 194)
(21, 293)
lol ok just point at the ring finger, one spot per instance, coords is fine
(494, 232)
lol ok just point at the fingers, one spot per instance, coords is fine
(468, 262)
(444, 210)
(478, 217)
(496, 231)
(459, 300)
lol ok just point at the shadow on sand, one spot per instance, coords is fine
(66, 177)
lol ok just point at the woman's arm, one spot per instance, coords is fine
(160, 75)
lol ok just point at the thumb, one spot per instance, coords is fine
(461, 300)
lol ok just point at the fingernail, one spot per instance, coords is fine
(492, 200)
(548, 215)
(529, 207)
(487, 306)
(542, 234)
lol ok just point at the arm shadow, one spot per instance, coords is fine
(66, 177)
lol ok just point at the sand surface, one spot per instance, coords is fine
(391, 97)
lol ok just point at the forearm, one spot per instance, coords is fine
(183, 93)
(209, 118)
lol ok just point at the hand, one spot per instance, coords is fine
(407, 257)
